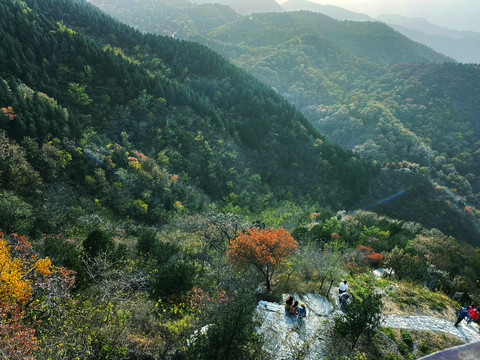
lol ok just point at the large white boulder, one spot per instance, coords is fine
(285, 337)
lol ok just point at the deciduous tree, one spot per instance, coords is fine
(24, 278)
(362, 318)
(265, 249)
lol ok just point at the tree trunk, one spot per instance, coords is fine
(288, 279)
(331, 283)
(321, 284)
(355, 342)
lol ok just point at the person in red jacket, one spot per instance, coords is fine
(473, 314)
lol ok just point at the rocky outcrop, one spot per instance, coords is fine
(286, 338)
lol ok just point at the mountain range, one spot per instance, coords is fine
(335, 12)
(463, 46)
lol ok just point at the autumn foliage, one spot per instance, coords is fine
(8, 111)
(25, 277)
(19, 266)
(265, 249)
(366, 256)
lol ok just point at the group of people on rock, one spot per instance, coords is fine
(468, 313)
(294, 309)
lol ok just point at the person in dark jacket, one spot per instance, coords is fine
(462, 313)
(301, 315)
(288, 304)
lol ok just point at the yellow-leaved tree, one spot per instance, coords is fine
(25, 277)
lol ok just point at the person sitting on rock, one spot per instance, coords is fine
(288, 304)
(301, 315)
(343, 298)
(293, 308)
(343, 287)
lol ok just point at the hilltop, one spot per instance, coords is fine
(247, 7)
(335, 12)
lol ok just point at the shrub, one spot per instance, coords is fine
(403, 348)
(362, 318)
(147, 239)
(231, 333)
(388, 332)
(172, 279)
(98, 242)
(407, 338)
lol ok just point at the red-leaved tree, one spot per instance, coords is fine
(265, 249)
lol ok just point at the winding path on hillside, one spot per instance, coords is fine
(468, 333)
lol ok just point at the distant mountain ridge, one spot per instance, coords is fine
(335, 12)
(420, 24)
(371, 41)
(246, 7)
(463, 46)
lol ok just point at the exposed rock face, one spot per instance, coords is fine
(286, 337)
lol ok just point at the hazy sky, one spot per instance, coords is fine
(455, 14)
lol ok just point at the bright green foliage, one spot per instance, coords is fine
(78, 95)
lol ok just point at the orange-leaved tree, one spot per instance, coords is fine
(265, 249)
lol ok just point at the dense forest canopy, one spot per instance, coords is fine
(364, 85)
(161, 80)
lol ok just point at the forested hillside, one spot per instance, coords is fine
(142, 83)
(178, 19)
(151, 193)
(335, 73)
(372, 41)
